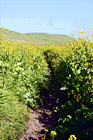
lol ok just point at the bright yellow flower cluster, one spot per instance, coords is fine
(83, 32)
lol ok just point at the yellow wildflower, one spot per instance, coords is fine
(84, 32)
(73, 35)
(72, 137)
(89, 40)
(4, 36)
(2, 26)
(86, 64)
(83, 56)
(53, 133)
(46, 130)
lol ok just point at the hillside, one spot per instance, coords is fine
(48, 38)
(44, 38)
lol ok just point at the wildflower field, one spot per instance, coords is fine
(24, 78)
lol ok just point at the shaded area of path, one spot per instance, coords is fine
(42, 118)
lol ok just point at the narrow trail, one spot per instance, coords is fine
(41, 118)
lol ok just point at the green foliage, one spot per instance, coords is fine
(13, 116)
(23, 73)
(24, 76)
(73, 72)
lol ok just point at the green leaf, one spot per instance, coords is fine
(63, 88)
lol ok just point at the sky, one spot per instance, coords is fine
(46, 16)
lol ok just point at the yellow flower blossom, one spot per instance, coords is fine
(86, 64)
(53, 133)
(46, 130)
(2, 26)
(83, 56)
(89, 40)
(73, 35)
(83, 32)
(72, 137)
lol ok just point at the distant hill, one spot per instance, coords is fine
(48, 38)
(44, 38)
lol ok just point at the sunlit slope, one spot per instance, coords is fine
(13, 36)
(35, 37)
(49, 38)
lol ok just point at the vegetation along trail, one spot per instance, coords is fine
(56, 81)
(42, 118)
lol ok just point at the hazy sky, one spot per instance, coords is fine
(46, 16)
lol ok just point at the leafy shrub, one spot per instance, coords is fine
(73, 71)
(23, 74)
(23, 70)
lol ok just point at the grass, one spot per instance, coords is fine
(13, 116)
(42, 38)
(49, 38)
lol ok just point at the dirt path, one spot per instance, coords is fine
(41, 118)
